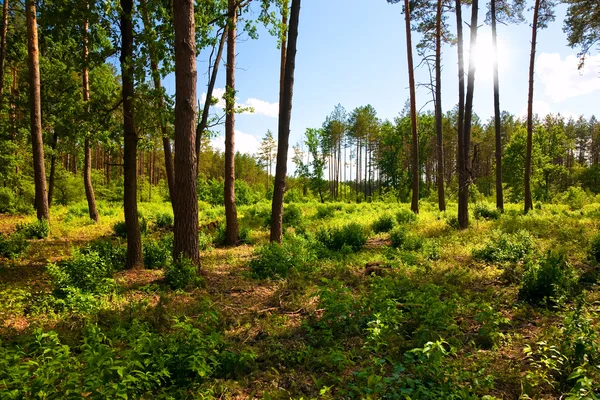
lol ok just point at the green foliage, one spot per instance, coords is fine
(7, 200)
(595, 248)
(548, 281)
(575, 197)
(490, 334)
(157, 253)
(385, 223)
(325, 211)
(38, 229)
(484, 211)
(13, 246)
(405, 217)
(86, 271)
(221, 235)
(164, 220)
(120, 229)
(292, 215)
(182, 273)
(351, 237)
(113, 252)
(506, 247)
(275, 260)
(402, 239)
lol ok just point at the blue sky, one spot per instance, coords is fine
(353, 52)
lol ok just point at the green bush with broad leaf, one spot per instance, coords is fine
(484, 211)
(506, 247)
(182, 274)
(278, 260)
(385, 223)
(13, 246)
(352, 237)
(401, 238)
(547, 281)
(405, 216)
(38, 229)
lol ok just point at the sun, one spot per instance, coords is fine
(485, 56)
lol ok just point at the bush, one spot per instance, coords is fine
(182, 274)
(505, 247)
(352, 236)
(549, 281)
(452, 222)
(120, 228)
(7, 200)
(88, 272)
(292, 215)
(327, 211)
(221, 235)
(114, 253)
(157, 253)
(275, 260)
(595, 248)
(38, 229)
(482, 211)
(385, 223)
(405, 216)
(575, 197)
(164, 220)
(402, 239)
(13, 246)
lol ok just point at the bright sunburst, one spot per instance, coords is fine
(485, 56)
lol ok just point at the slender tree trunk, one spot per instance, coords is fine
(160, 100)
(203, 124)
(39, 169)
(3, 47)
(528, 199)
(52, 169)
(134, 237)
(185, 207)
(230, 207)
(413, 114)
(438, 108)
(87, 151)
(285, 115)
(463, 188)
(497, 124)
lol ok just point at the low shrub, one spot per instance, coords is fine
(452, 222)
(7, 200)
(595, 248)
(275, 260)
(325, 211)
(402, 239)
(182, 273)
(405, 216)
(88, 272)
(114, 252)
(292, 215)
(120, 228)
(385, 223)
(221, 235)
(352, 237)
(38, 229)
(157, 253)
(506, 247)
(13, 246)
(548, 281)
(483, 211)
(164, 220)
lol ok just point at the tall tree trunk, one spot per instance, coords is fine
(463, 186)
(463, 210)
(230, 208)
(160, 101)
(3, 47)
(528, 198)
(39, 169)
(203, 124)
(413, 113)
(497, 124)
(132, 225)
(438, 108)
(185, 207)
(52, 169)
(285, 116)
(87, 151)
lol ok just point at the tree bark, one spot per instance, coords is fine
(285, 115)
(413, 114)
(134, 237)
(438, 108)
(52, 169)
(497, 124)
(3, 47)
(87, 151)
(528, 198)
(39, 169)
(203, 124)
(185, 207)
(230, 208)
(463, 189)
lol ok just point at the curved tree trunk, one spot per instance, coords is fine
(87, 151)
(528, 199)
(230, 208)
(497, 124)
(39, 169)
(285, 115)
(438, 108)
(413, 114)
(185, 207)
(161, 102)
(132, 225)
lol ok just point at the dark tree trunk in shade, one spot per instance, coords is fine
(132, 225)
(39, 169)
(203, 124)
(438, 108)
(185, 207)
(285, 115)
(463, 189)
(3, 46)
(230, 208)
(87, 151)
(413, 114)
(528, 198)
(52, 169)
(497, 124)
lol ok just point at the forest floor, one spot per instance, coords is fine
(507, 309)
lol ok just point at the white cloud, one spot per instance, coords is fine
(243, 142)
(260, 107)
(562, 79)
